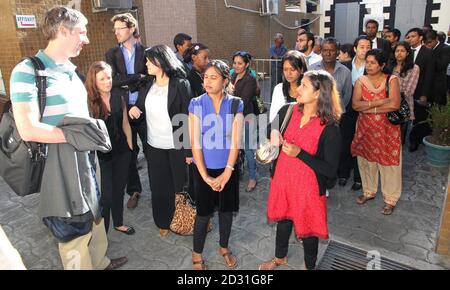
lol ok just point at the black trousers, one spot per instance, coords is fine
(347, 162)
(310, 244)
(419, 130)
(114, 174)
(167, 175)
(201, 230)
(134, 182)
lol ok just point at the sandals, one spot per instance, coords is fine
(272, 264)
(230, 260)
(362, 199)
(201, 263)
(387, 209)
(250, 189)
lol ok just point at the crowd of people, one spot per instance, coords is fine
(194, 116)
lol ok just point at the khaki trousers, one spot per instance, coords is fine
(391, 180)
(87, 252)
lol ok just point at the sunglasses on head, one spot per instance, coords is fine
(242, 53)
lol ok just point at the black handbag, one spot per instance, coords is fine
(65, 229)
(22, 163)
(401, 115)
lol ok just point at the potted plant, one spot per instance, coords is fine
(437, 145)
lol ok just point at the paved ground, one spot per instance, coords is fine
(408, 236)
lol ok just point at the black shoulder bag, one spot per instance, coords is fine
(402, 114)
(22, 163)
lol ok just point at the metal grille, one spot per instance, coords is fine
(339, 256)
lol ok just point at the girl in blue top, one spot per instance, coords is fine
(215, 126)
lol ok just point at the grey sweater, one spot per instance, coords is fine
(68, 183)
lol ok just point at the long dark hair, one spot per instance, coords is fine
(297, 61)
(96, 106)
(329, 105)
(409, 61)
(163, 57)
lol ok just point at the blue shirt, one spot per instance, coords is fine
(357, 73)
(215, 129)
(129, 64)
(277, 52)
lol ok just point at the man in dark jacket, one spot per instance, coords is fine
(441, 54)
(423, 57)
(380, 43)
(129, 73)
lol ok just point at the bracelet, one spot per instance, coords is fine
(230, 167)
(375, 110)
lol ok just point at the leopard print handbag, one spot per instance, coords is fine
(184, 216)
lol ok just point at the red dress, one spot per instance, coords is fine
(376, 139)
(294, 190)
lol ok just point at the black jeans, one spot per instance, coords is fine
(310, 244)
(201, 229)
(134, 182)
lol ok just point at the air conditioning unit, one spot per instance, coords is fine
(270, 7)
(112, 4)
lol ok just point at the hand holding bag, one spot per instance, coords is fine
(403, 113)
(267, 152)
(185, 212)
(22, 163)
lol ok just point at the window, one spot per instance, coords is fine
(293, 6)
(305, 6)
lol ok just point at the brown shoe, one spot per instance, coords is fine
(362, 199)
(387, 209)
(117, 263)
(133, 201)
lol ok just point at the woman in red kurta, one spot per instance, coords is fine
(377, 142)
(307, 162)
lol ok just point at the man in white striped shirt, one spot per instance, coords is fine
(66, 32)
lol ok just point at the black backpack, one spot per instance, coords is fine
(22, 163)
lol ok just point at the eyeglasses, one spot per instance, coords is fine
(118, 28)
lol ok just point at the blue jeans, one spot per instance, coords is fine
(250, 145)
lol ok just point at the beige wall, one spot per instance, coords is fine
(226, 30)
(163, 19)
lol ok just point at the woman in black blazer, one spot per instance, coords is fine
(164, 99)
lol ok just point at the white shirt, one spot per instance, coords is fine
(278, 101)
(312, 58)
(374, 43)
(416, 51)
(159, 125)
